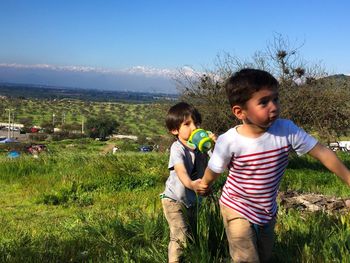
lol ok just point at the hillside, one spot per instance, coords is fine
(339, 80)
(340, 77)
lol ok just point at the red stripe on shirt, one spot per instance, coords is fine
(252, 184)
(265, 152)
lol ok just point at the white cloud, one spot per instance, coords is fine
(150, 71)
(139, 70)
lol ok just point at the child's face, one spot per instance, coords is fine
(185, 130)
(262, 109)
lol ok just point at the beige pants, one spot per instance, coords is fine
(179, 218)
(244, 243)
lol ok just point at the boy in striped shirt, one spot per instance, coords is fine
(256, 155)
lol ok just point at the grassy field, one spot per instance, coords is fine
(146, 119)
(75, 204)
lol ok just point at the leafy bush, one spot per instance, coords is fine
(37, 136)
(59, 136)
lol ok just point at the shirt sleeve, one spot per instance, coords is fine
(301, 141)
(177, 155)
(221, 156)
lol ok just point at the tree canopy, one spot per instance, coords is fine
(100, 127)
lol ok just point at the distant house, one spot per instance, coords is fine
(120, 136)
(13, 125)
(34, 130)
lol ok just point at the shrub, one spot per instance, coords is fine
(37, 136)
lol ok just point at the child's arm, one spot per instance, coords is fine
(185, 179)
(330, 160)
(207, 180)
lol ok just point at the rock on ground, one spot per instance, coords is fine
(313, 202)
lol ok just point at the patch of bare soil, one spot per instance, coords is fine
(311, 202)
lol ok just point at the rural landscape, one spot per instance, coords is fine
(87, 168)
(78, 201)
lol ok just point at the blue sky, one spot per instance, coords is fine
(117, 35)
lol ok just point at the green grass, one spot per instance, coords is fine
(75, 204)
(50, 205)
(308, 175)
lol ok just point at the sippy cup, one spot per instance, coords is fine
(200, 139)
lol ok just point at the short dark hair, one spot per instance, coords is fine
(178, 113)
(241, 85)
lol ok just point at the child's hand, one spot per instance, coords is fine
(200, 188)
(207, 192)
(205, 189)
(212, 136)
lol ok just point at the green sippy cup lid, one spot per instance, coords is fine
(199, 139)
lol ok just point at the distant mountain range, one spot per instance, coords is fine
(25, 91)
(97, 84)
(135, 79)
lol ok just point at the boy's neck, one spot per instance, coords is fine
(251, 130)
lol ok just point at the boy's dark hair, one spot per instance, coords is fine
(241, 85)
(178, 113)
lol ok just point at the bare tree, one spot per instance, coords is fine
(307, 96)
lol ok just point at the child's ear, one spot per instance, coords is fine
(238, 112)
(174, 132)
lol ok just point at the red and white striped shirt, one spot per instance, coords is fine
(256, 166)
